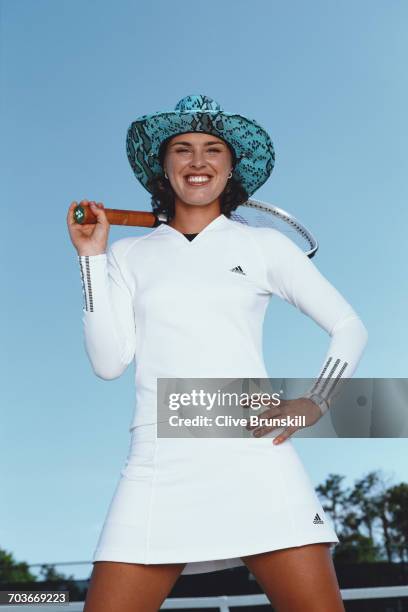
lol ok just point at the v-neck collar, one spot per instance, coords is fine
(218, 221)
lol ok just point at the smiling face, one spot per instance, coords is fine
(197, 166)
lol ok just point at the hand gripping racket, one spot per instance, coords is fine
(252, 212)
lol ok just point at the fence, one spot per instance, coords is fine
(225, 602)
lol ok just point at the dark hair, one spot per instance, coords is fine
(163, 197)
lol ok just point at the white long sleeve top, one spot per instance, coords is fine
(195, 309)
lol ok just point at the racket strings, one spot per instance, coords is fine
(258, 214)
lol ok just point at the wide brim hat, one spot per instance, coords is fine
(252, 145)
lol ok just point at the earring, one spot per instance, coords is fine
(230, 175)
(165, 174)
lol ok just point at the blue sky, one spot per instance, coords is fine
(328, 80)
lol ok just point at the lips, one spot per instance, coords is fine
(197, 180)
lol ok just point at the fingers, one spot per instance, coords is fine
(96, 208)
(98, 211)
(70, 214)
(263, 430)
(285, 435)
(269, 414)
(260, 429)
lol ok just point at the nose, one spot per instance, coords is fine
(198, 159)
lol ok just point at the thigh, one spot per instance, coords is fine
(298, 578)
(130, 587)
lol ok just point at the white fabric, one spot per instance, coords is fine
(176, 307)
(208, 502)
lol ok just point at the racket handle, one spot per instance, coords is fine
(83, 214)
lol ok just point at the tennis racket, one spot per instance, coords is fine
(252, 212)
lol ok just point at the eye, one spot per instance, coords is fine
(210, 150)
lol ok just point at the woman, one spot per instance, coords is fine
(172, 301)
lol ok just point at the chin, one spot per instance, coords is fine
(202, 203)
(198, 201)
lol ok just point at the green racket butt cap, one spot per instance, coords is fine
(79, 214)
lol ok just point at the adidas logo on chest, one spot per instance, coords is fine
(238, 270)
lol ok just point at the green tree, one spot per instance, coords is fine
(397, 510)
(356, 548)
(48, 572)
(334, 498)
(11, 571)
(364, 497)
(371, 518)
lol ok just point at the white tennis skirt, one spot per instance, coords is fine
(207, 502)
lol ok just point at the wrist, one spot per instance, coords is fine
(320, 401)
(88, 253)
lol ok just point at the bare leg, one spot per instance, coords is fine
(130, 587)
(298, 578)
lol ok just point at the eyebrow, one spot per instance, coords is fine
(210, 142)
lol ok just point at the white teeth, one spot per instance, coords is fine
(198, 179)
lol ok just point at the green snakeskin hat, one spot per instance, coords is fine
(252, 145)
